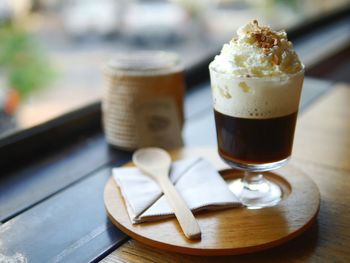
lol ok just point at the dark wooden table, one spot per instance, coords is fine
(52, 210)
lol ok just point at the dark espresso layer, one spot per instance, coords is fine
(255, 141)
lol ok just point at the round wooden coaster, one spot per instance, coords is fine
(230, 231)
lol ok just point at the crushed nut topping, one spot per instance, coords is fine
(264, 37)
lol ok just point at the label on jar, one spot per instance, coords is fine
(158, 122)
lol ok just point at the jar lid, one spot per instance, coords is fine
(144, 63)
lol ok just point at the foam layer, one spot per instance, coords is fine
(256, 98)
(258, 51)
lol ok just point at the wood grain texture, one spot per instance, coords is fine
(23, 189)
(323, 132)
(321, 150)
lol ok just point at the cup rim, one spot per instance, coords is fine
(143, 63)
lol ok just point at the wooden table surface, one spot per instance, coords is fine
(51, 209)
(321, 150)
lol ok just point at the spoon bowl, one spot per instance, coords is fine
(152, 159)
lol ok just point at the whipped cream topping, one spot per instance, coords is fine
(258, 52)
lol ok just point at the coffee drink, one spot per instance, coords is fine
(256, 85)
(255, 141)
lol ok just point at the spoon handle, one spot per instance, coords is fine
(183, 214)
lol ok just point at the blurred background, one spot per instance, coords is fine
(52, 52)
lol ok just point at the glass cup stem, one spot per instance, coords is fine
(255, 191)
(255, 182)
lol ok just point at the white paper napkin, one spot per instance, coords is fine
(196, 180)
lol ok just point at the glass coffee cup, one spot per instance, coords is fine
(255, 120)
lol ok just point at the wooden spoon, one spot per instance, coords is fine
(155, 162)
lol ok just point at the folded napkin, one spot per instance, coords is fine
(196, 180)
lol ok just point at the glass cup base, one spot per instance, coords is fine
(256, 195)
